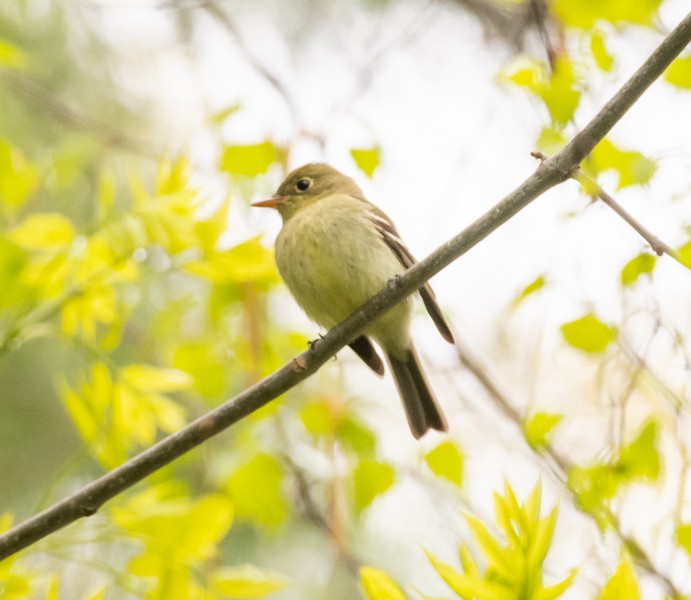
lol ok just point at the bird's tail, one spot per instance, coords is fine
(421, 406)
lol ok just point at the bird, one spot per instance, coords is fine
(336, 250)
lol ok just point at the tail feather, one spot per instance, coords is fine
(421, 406)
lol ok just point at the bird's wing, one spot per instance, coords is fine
(388, 232)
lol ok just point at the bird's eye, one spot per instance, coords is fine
(303, 185)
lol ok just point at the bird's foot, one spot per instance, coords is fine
(312, 344)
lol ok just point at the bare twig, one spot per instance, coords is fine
(658, 246)
(90, 498)
(221, 17)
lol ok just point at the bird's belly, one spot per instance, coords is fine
(331, 270)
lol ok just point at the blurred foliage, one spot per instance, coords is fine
(130, 306)
(513, 569)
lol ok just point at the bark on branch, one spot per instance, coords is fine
(557, 169)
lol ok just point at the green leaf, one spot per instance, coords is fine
(366, 159)
(588, 334)
(256, 489)
(585, 13)
(250, 160)
(468, 562)
(631, 166)
(12, 56)
(246, 262)
(542, 540)
(156, 379)
(538, 428)
(378, 585)
(561, 94)
(468, 586)
(554, 591)
(683, 534)
(603, 58)
(640, 459)
(551, 140)
(201, 362)
(558, 87)
(247, 581)
(537, 284)
(499, 559)
(622, 585)
(370, 479)
(218, 117)
(44, 231)
(18, 177)
(592, 486)
(355, 435)
(641, 264)
(446, 461)
(679, 73)
(684, 255)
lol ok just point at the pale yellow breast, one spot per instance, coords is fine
(333, 260)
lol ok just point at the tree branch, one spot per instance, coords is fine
(90, 498)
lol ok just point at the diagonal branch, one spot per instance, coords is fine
(87, 500)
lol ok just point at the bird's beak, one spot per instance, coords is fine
(269, 203)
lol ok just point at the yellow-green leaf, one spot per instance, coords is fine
(554, 591)
(588, 334)
(498, 558)
(218, 117)
(538, 428)
(155, 379)
(250, 160)
(551, 140)
(622, 585)
(637, 266)
(640, 458)
(377, 585)
(631, 166)
(256, 489)
(679, 73)
(248, 261)
(247, 581)
(12, 56)
(535, 285)
(592, 486)
(44, 231)
(356, 436)
(446, 461)
(684, 255)
(603, 58)
(366, 159)
(585, 13)
(371, 478)
(468, 586)
(683, 534)
(542, 540)
(561, 94)
(18, 177)
(468, 562)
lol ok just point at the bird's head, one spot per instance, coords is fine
(306, 185)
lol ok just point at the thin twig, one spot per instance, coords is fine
(658, 246)
(90, 498)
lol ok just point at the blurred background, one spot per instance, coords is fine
(138, 291)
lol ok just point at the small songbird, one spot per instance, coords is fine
(335, 251)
